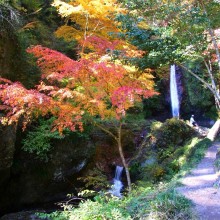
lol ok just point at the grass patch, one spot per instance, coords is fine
(193, 153)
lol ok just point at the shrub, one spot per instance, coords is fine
(95, 179)
(160, 202)
(104, 207)
(170, 205)
(143, 203)
(160, 157)
(173, 132)
(38, 140)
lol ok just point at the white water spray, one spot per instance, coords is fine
(173, 92)
(117, 186)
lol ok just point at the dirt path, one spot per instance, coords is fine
(200, 187)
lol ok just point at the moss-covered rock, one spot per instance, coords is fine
(32, 181)
(160, 153)
(172, 133)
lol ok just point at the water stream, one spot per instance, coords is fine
(174, 92)
(117, 186)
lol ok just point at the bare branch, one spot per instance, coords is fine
(106, 131)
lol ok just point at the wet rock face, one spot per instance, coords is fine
(14, 64)
(7, 149)
(7, 146)
(31, 182)
(106, 156)
(26, 215)
(3, 50)
(8, 50)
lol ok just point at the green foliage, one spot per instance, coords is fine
(160, 202)
(38, 140)
(136, 121)
(179, 158)
(39, 21)
(95, 179)
(195, 22)
(153, 106)
(197, 152)
(171, 133)
(36, 20)
(173, 143)
(103, 207)
(175, 32)
(185, 157)
(30, 6)
(212, 113)
(87, 193)
(161, 46)
(193, 153)
(157, 203)
(197, 95)
(213, 11)
(143, 203)
(156, 125)
(23, 64)
(170, 205)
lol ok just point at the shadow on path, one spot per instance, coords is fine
(199, 186)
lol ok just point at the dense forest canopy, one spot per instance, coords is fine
(148, 35)
(67, 66)
(97, 59)
(181, 32)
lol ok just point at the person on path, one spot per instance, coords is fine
(193, 122)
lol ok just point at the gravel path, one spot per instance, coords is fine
(200, 187)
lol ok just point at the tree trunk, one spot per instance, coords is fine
(123, 159)
(214, 130)
(118, 140)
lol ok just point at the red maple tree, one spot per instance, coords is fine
(70, 89)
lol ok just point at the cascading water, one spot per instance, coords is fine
(117, 186)
(174, 92)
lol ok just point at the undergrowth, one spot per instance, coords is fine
(145, 202)
(142, 204)
(38, 140)
(193, 154)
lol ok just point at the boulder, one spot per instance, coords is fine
(7, 149)
(32, 182)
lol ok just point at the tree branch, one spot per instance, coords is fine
(208, 67)
(106, 130)
(197, 77)
(140, 149)
(211, 33)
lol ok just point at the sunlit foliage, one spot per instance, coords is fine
(19, 102)
(102, 88)
(88, 17)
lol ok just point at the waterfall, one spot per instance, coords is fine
(173, 92)
(117, 186)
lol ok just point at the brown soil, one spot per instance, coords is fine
(201, 186)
